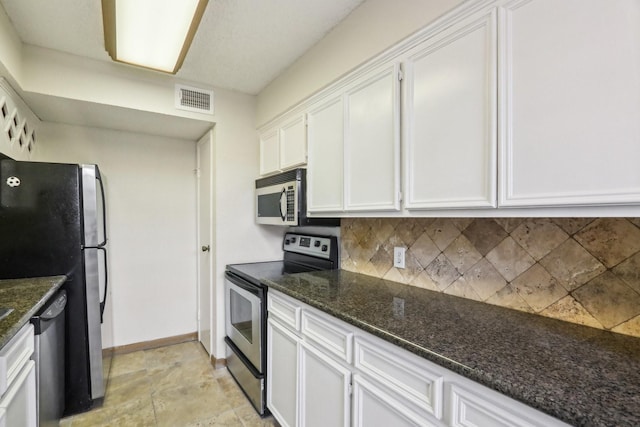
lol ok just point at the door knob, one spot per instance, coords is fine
(206, 248)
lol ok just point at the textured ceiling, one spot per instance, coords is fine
(241, 44)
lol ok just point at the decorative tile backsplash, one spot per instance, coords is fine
(581, 270)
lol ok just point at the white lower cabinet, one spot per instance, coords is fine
(324, 372)
(18, 381)
(282, 373)
(325, 397)
(373, 407)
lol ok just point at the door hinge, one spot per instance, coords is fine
(400, 196)
(197, 171)
(400, 74)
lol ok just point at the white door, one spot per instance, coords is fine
(325, 399)
(205, 238)
(293, 143)
(450, 118)
(570, 133)
(372, 142)
(325, 172)
(282, 369)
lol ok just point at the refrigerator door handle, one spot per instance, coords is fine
(104, 211)
(103, 302)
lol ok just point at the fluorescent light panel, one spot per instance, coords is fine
(151, 33)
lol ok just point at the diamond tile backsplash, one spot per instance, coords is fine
(580, 270)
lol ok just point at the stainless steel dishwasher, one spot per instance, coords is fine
(49, 356)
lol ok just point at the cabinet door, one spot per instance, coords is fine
(325, 172)
(570, 128)
(282, 374)
(450, 118)
(269, 152)
(325, 399)
(372, 144)
(293, 143)
(373, 407)
(19, 402)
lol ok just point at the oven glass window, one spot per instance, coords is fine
(241, 315)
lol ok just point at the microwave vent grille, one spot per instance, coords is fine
(194, 99)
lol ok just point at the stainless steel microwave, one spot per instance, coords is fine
(282, 200)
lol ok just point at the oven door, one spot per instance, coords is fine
(244, 320)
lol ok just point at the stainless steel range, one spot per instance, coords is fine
(246, 314)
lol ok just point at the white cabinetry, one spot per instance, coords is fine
(18, 381)
(372, 142)
(450, 126)
(306, 385)
(354, 146)
(340, 370)
(325, 173)
(282, 368)
(284, 146)
(570, 109)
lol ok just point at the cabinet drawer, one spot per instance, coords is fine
(400, 373)
(14, 355)
(284, 309)
(328, 335)
(484, 407)
(19, 402)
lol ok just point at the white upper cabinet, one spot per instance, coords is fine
(325, 173)
(293, 143)
(372, 141)
(284, 146)
(354, 146)
(269, 152)
(450, 127)
(570, 110)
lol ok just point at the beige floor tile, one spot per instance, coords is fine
(166, 356)
(225, 419)
(170, 386)
(187, 404)
(125, 363)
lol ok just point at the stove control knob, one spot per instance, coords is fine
(325, 248)
(316, 243)
(286, 241)
(293, 240)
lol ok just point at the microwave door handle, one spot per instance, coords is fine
(283, 201)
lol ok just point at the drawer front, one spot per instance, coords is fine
(328, 335)
(474, 405)
(19, 402)
(285, 309)
(14, 355)
(399, 372)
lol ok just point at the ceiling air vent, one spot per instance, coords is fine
(194, 99)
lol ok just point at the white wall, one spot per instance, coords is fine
(151, 218)
(370, 29)
(238, 238)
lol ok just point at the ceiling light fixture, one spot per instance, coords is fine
(153, 34)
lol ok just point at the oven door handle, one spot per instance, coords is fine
(241, 283)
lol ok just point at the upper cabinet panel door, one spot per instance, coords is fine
(269, 152)
(372, 142)
(325, 173)
(293, 143)
(450, 118)
(570, 109)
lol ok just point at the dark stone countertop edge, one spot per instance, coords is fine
(559, 406)
(50, 286)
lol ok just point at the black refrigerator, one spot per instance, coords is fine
(52, 222)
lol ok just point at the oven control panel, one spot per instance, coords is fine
(317, 246)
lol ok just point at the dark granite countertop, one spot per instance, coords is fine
(581, 375)
(26, 297)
